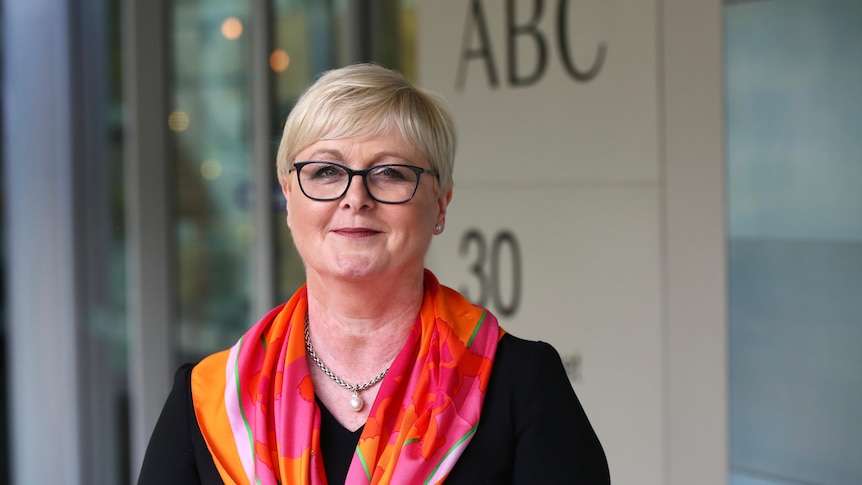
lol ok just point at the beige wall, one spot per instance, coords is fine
(599, 203)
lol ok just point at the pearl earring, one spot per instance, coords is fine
(438, 228)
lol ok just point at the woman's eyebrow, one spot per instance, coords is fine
(337, 155)
(328, 152)
(398, 155)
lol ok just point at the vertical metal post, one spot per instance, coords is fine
(42, 219)
(357, 41)
(263, 160)
(148, 208)
(103, 448)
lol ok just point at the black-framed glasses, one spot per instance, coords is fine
(389, 184)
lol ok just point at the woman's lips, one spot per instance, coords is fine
(356, 232)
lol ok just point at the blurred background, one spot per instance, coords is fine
(143, 226)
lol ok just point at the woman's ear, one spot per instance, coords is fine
(442, 204)
(285, 191)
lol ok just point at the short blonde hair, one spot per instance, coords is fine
(365, 100)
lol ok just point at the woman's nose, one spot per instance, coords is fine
(357, 194)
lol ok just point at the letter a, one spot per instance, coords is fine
(476, 16)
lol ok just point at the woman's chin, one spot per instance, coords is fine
(357, 268)
(365, 267)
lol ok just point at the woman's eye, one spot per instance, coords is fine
(327, 171)
(392, 174)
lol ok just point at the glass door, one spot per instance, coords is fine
(794, 118)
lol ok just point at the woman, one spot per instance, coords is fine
(372, 372)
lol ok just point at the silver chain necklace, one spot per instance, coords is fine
(356, 402)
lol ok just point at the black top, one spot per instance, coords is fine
(337, 445)
(532, 430)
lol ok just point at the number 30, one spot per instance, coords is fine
(489, 277)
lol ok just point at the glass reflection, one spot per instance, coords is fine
(212, 122)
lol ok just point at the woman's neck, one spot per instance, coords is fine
(357, 327)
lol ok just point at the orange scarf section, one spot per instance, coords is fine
(255, 401)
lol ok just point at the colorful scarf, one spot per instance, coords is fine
(256, 409)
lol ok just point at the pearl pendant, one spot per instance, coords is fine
(356, 402)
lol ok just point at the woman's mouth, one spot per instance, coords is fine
(356, 232)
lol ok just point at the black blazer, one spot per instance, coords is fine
(533, 430)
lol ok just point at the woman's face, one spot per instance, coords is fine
(356, 237)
